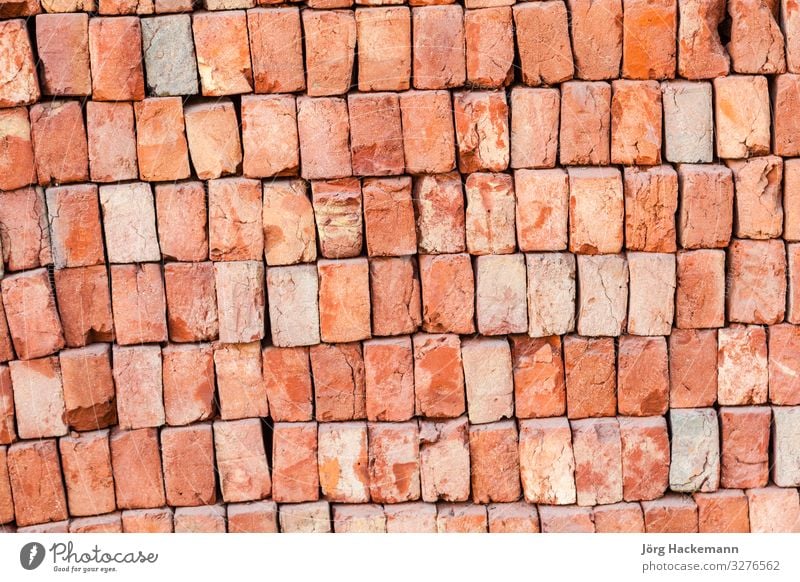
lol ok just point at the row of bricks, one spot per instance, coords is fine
(418, 132)
(549, 461)
(761, 510)
(445, 46)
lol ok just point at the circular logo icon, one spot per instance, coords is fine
(31, 555)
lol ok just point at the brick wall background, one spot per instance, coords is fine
(384, 267)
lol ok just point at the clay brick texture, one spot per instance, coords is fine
(400, 266)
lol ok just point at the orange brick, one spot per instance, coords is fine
(276, 49)
(701, 54)
(376, 136)
(89, 394)
(670, 514)
(84, 303)
(428, 133)
(482, 133)
(651, 200)
(439, 202)
(598, 460)
(723, 511)
(16, 57)
(444, 459)
(636, 123)
(62, 44)
(343, 462)
(489, 34)
(393, 461)
(269, 136)
(494, 462)
(323, 128)
(705, 215)
(339, 381)
(188, 373)
(31, 313)
(448, 291)
(439, 48)
(742, 365)
(59, 142)
(160, 141)
(784, 372)
(745, 432)
(389, 379)
(534, 127)
(649, 44)
(539, 388)
(438, 376)
(645, 457)
(589, 365)
(384, 48)
(136, 459)
(240, 383)
(756, 44)
(295, 476)
(17, 167)
(38, 398)
(692, 368)
(756, 281)
(543, 42)
(35, 475)
(191, 301)
(138, 378)
(287, 375)
(241, 460)
(115, 52)
(223, 54)
(643, 376)
(330, 40)
(490, 214)
(139, 303)
(212, 130)
(235, 231)
(585, 136)
(344, 304)
(741, 114)
(86, 460)
(188, 457)
(112, 141)
(182, 221)
(596, 28)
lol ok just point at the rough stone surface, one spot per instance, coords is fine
(695, 464)
(169, 58)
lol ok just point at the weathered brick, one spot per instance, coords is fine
(445, 459)
(295, 476)
(649, 44)
(741, 111)
(636, 123)
(756, 44)
(339, 381)
(551, 293)
(598, 460)
(20, 87)
(223, 54)
(688, 121)
(343, 462)
(169, 58)
(84, 301)
(411, 517)
(705, 215)
(645, 457)
(723, 511)
(428, 132)
(447, 293)
(786, 462)
(784, 373)
(160, 141)
(62, 45)
(344, 306)
(759, 211)
(188, 376)
(501, 294)
(136, 459)
(287, 375)
(700, 51)
(24, 234)
(30, 309)
(538, 367)
(571, 519)
(17, 167)
(147, 520)
(212, 131)
(86, 462)
(488, 379)
(288, 219)
(695, 457)
(643, 376)
(439, 59)
(203, 519)
(59, 142)
(745, 433)
(742, 367)
(543, 43)
(338, 214)
(188, 458)
(670, 514)
(139, 303)
(756, 281)
(389, 217)
(89, 394)
(693, 368)
(596, 38)
(115, 53)
(438, 376)
(461, 518)
(129, 223)
(389, 379)
(590, 370)
(240, 300)
(652, 293)
(376, 137)
(773, 510)
(240, 384)
(276, 49)
(490, 214)
(603, 301)
(139, 382)
(394, 462)
(323, 129)
(182, 221)
(253, 517)
(596, 210)
(111, 141)
(494, 462)
(489, 47)
(330, 40)
(547, 464)
(38, 398)
(651, 200)
(241, 460)
(269, 136)
(439, 201)
(384, 48)
(191, 301)
(534, 127)
(35, 475)
(312, 517)
(618, 518)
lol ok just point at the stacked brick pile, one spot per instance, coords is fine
(492, 266)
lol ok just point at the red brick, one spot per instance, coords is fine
(651, 200)
(115, 7)
(569, 519)
(89, 394)
(136, 459)
(394, 462)
(439, 201)
(35, 475)
(603, 300)
(376, 136)
(137, 296)
(745, 446)
(253, 517)
(6, 502)
(784, 103)
(596, 210)
(182, 221)
(389, 379)
(294, 455)
(338, 214)
(590, 376)
(191, 301)
(542, 208)
(323, 128)
(16, 62)
(85, 305)
(700, 291)
(636, 123)
(724, 511)
(701, 54)
(489, 37)
(759, 212)
(461, 518)
(428, 132)
(741, 112)
(30, 308)
(160, 141)
(241, 460)
(547, 463)
(513, 518)
(339, 381)
(756, 281)
(756, 44)
(534, 127)
(6, 345)
(276, 49)
(240, 300)
(17, 167)
(543, 42)
(445, 459)
(490, 214)
(742, 368)
(670, 514)
(204, 519)
(618, 518)
(389, 217)
(138, 378)
(598, 460)
(344, 304)
(240, 384)
(287, 375)
(188, 457)
(793, 302)
(482, 133)
(115, 51)
(223, 55)
(288, 218)
(596, 28)
(38, 397)
(438, 376)
(539, 387)
(384, 48)
(649, 44)
(439, 48)
(494, 462)
(8, 433)
(111, 141)
(343, 462)
(693, 368)
(212, 131)
(784, 368)
(447, 293)
(269, 136)
(235, 227)
(410, 517)
(395, 293)
(86, 460)
(773, 510)
(643, 386)
(645, 457)
(188, 383)
(330, 40)
(585, 136)
(789, 25)
(24, 233)
(76, 236)
(147, 520)
(109, 523)
(62, 44)
(59, 142)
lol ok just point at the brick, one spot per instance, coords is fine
(651, 200)
(182, 221)
(111, 141)
(6, 345)
(501, 294)
(235, 214)
(789, 25)
(439, 47)
(551, 293)
(745, 446)
(773, 509)
(287, 375)
(642, 369)
(204, 519)
(35, 476)
(759, 212)
(276, 49)
(534, 127)
(695, 450)
(358, 519)
(343, 462)
(791, 201)
(223, 54)
(598, 460)
(539, 385)
(488, 379)
(169, 57)
(115, 53)
(294, 454)
(705, 216)
(494, 462)
(636, 123)
(652, 293)
(191, 301)
(38, 397)
(394, 462)
(17, 167)
(784, 375)
(75, 231)
(543, 42)
(84, 301)
(603, 302)
(344, 305)
(786, 466)
(62, 45)
(389, 379)
(269, 136)
(8, 433)
(700, 51)
(59, 142)
(438, 376)
(138, 480)
(447, 293)
(109, 523)
(54, 527)
(513, 518)
(288, 219)
(384, 53)
(228, 4)
(160, 141)
(741, 109)
(793, 302)
(330, 40)
(24, 8)
(389, 217)
(461, 518)
(590, 373)
(490, 214)
(86, 460)
(756, 42)
(147, 520)
(338, 214)
(240, 300)
(482, 132)
(305, 518)
(89, 394)
(212, 131)
(188, 457)
(324, 128)
(757, 281)
(596, 38)
(784, 102)
(376, 140)
(572, 519)
(618, 518)
(293, 305)
(30, 309)
(441, 222)
(240, 383)
(129, 223)
(444, 460)
(541, 208)
(645, 457)
(597, 210)
(115, 7)
(139, 303)
(723, 511)
(489, 47)
(138, 378)
(742, 367)
(546, 461)
(16, 62)
(410, 517)
(428, 132)
(6, 501)
(688, 121)
(188, 377)
(24, 232)
(649, 43)
(254, 517)
(585, 123)
(339, 381)
(700, 291)
(241, 460)
(670, 514)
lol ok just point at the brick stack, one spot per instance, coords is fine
(485, 267)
